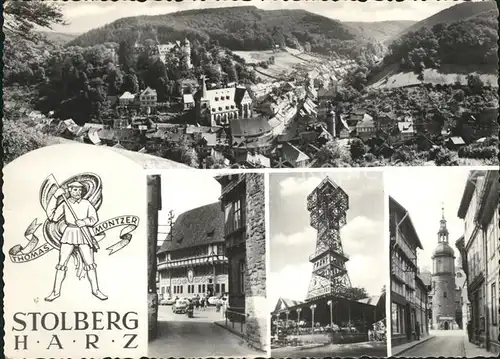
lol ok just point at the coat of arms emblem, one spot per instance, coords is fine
(190, 276)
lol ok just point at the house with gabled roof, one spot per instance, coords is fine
(292, 155)
(218, 107)
(192, 259)
(148, 98)
(126, 98)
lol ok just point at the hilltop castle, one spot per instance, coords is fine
(181, 47)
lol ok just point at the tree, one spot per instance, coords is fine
(475, 83)
(21, 40)
(19, 139)
(357, 149)
(331, 153)
(355, 293)
(459, 95)
(130, 83)
(21, 17)
(125, 55)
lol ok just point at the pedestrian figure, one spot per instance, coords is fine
(417, 330)
(469, 330)
(224, 308)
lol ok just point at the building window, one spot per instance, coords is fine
(223, 288)
(395, 319)
(233, 216)
(494, 304)
(203, 288)
(242, 276)
(237, 214)
(444, 294)
(217, 288)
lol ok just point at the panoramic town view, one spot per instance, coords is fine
(207, 272)
(210, 85)
(444, 260)
(335, 307)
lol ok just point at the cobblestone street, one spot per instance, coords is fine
(374, 349)
(444, 343)
(180, 336)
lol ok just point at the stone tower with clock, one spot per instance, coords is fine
(443, 282)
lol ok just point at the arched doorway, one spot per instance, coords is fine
(446, 326)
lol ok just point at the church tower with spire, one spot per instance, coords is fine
(443, 281)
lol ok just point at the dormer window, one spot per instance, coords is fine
(211, 233)
(213, 109)
(216, 99)
(220, 108)
(227, 97)
(227, 107)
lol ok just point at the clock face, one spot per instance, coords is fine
(190, 275)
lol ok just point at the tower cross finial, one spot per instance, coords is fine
(442, 210)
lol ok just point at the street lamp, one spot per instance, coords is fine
(214, 258)
(313, 307)
(330, 303)
(298, 320)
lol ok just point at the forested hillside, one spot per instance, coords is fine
(58, 38)
(462, 11)
(238, 28)
(460, 40)
(382, 31)
(467, 43)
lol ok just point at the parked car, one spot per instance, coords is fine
(180, 306)
(217, 299)
(213, 300)
(167, 301)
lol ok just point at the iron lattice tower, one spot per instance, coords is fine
(328, 205)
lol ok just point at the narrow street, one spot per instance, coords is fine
(446, 343)
(180, 336)
(374, 349)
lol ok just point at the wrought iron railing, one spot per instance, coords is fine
(234, 316)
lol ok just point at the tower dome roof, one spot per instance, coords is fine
(444, 249)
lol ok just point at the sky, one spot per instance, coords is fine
(86, 15)
(292, 239)
(184, 190)
(423, 192)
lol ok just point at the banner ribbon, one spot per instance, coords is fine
(20, 254)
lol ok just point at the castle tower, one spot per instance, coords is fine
(443, 281)
(328, 205)
(187, 53)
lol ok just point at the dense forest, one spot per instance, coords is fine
(463, 10)
(382, 31)
(466, 43)
(76, 82)
(239, 28)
